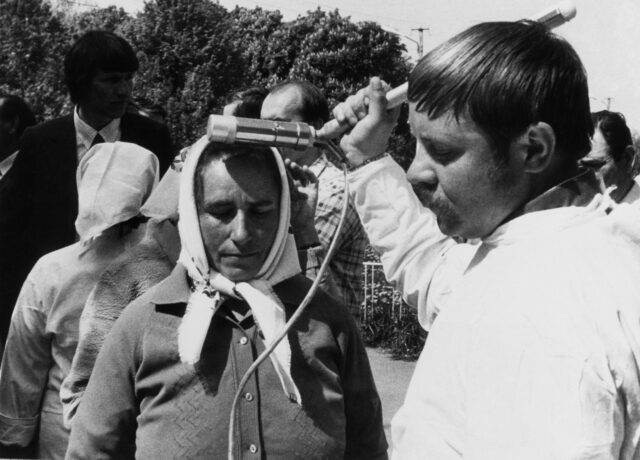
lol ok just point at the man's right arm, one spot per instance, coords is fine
(403, 231)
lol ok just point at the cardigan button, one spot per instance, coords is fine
(248, 397)
(243, 341)
(253, 449)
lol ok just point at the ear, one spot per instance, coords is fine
(14, 126)
(538, 145)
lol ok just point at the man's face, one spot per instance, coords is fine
(238, 216)
(108, 94)
(285, 105)
(455, 174)
(600, 159)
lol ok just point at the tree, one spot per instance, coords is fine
(111, 18)
(340, 57)
(251, 32)
(33, 41)
(187, 59)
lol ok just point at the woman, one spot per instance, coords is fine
(114, 179)
(164, 381)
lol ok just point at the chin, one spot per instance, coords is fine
(237, 275)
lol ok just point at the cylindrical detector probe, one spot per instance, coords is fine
(293, 135)
(300, 136)
(552, 18)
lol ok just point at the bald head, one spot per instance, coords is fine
(296, 101)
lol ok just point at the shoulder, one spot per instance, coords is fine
(49, 127)
(139, 122)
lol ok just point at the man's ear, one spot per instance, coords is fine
(538, 145)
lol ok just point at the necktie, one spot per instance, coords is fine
(98, 139)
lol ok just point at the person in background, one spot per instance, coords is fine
(164, 381)
(114, 179)
(534, 352)
(38, 197)
(15, 117)
(302, 101)
(246, 104)
(612, 155)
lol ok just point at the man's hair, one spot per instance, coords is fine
(505, 76)
(96, 50)
(315, 107)
(615, 131)
(250, 102)
(14, 107)
(261, 155)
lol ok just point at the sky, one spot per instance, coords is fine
(606, 34)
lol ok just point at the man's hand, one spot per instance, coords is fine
(304, 197)
(372, 123)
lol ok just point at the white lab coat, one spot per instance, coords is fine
(534, 353)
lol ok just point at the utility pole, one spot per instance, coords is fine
(420, 41)
(609, 103)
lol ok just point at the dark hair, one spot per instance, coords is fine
(96, 50)
(250, 102)
(14, 107)
(219, 151)
(315, 108)
(615, 132)
(506, 76)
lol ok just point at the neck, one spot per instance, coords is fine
(542, 184)
(94, 120)
(623, 185)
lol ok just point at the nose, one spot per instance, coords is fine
(241, 233)
(421, 169)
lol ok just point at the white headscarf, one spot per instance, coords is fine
(281, 263)
(114, 179)
(163, 202)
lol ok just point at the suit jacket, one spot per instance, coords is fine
(39, 196)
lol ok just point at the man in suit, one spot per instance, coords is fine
(38, 197)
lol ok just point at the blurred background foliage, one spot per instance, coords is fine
(195, 53)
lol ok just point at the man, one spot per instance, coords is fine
(534, 351)
(302, 101)
(164, 381)
(38, 198)
(15, 117)
(612, 154)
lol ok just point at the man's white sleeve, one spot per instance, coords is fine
(403, 232)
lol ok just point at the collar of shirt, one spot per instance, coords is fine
(569, 203)
(85, 133)
(318, 166)
(576, 191)
(6, 164)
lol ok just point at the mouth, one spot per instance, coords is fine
(239, 256)
(425, 196)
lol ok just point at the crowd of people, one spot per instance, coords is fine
(139, 285)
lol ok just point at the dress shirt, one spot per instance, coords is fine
(344, 276)
(6, 164)
(85, 134)
(534, 352)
